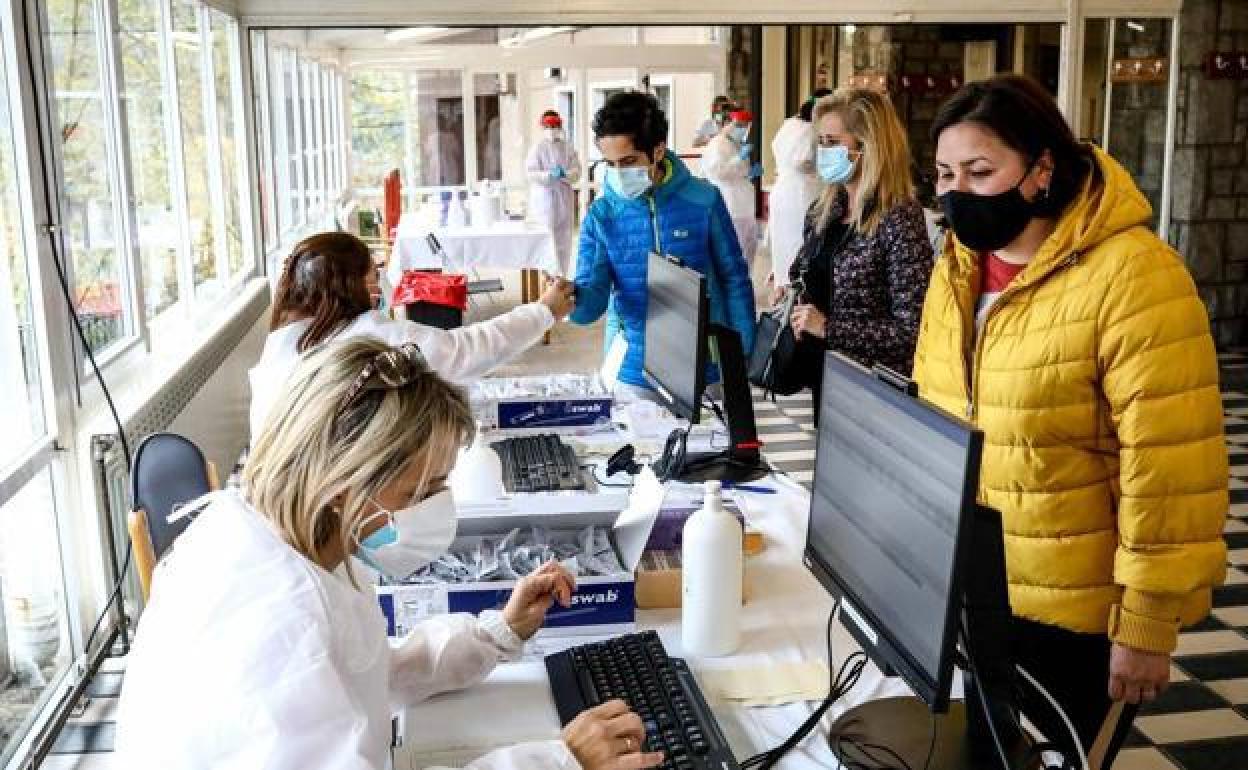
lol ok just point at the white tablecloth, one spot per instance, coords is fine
(506, 244)
(785, 618)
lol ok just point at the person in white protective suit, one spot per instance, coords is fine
(726, 164)
(554, 170)
(797, 185)
(260, 648)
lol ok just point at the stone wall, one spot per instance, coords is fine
(1209, 204)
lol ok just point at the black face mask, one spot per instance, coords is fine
(987, 222)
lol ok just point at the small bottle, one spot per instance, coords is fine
(446, 206)
(711, 575)
(457, 216)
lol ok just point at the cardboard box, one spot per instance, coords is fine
(602, 604)
(658, 586)
(669, 528)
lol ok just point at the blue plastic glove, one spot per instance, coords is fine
(755, 171)
(558, 173)
(744, 152)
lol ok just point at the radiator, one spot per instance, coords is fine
(206, 401)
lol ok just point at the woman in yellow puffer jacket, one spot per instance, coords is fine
(1073, 337)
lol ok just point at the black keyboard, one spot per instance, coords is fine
(661, 690)
(540, 463)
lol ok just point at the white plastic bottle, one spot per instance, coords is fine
(710, 622)
(478, 473)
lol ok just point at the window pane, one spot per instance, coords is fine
(294, 137)
(34, 606)
(144, 94)
(187, 54)
(19, 369)
(377, 126)
(225, 68)
(99, 287)
(438, 98)
(487, 90)
(264, 127)
(1137, 105)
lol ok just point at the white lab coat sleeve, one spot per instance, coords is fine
(449, 652)
(720, 161)
(464, 354)
(538, 166)
(536, 755)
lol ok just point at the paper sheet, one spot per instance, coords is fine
(772, 685)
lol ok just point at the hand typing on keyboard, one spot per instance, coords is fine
(533, 596)
(609, 737)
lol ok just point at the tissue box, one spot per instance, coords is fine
(658, 580)
(602, 604)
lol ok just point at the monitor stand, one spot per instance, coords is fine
(742, 461)
(964, 738)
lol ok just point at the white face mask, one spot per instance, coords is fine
(553, 133)
(412, 538)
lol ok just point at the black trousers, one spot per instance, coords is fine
(1074, 668)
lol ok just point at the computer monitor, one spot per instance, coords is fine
(682, 348)
(676, 327)
(896, 534)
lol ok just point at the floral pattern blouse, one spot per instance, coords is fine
(870, 287)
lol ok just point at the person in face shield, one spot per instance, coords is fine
(720, 107)
(727, 165)
(259, 647)
(554, 169)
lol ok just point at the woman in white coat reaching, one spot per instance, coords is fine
(324, 293)
(554, 170)
(726, 164)
(796, 188)
(259, 648)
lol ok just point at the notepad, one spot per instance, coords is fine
(770, 685)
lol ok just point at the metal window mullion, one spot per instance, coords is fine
(296, 152)
(125, 239)
(1110, 41)
(468, 89)
(249, 235)
(256, 77)
(212, 145)
(1172, 105)
(177, 159)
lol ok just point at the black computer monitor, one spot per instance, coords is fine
(896, 534)
(682, 346)
(676, 327)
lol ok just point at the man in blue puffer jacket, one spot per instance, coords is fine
(653, 203)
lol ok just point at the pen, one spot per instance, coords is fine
(751, 488)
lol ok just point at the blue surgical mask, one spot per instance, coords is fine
(629, 182)
(834, 165)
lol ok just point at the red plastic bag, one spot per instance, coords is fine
(446, 289)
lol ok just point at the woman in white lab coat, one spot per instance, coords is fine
(324, 293)
(726, 164)
(259, 648)
(797, 186)
(554, 170)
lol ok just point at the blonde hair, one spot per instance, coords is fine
(883, 167)
(314, 467)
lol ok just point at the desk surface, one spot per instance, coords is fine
(784, 620)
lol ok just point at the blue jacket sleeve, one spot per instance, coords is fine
(593, 273)
(733, 274)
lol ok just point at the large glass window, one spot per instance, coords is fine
(36, 632)
(144, 94)
(19, 370)
(189, 62)
(378, 128)
(437, 99)
(226, 72)
(294, 140)
(99, 275)
(264, 127)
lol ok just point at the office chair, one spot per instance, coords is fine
(167, 472)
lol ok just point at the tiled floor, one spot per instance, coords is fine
(1200, 723)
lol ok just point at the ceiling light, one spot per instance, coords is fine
(414, 33)
(529, 35)
(1135, 25)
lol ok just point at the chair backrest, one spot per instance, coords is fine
(168, 471)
